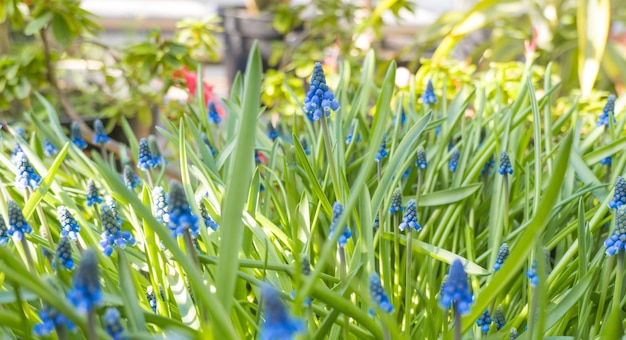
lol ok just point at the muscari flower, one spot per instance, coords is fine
(305, 146)
(4, 233)
(144, 158)
(396, 201)
(488, 166)
(69, 226)
(86, 293)
(421, 158)
(619, 194)
(454, 160)
(160, 204)
(378, 294)
(112, 234)
(410, 217)
(350, 135)
(180, 215)
(514, 334)
(606, 161)
(26, 175)
(17, 223)
(346, 234)
(278, 324)
(208, 221)
(505, 164)
(93, 197)
(617, 241)
(503, 254)
(50, 319)
(429, 97)
(49, 149)
(532, 274)
(406, 173)
(214, 117)
(608, 111)
(376, 223)
(382, 153)
(111, 204)
(484, 322)
(319, 98)
(272, 133)
(206, 141)
(112, 323)
(76, 136)
(63, 254)
(456, 290)
(99, 134)
(151, 298)
(155, 153)
(130, 179)
(18, 147)
(499, 319)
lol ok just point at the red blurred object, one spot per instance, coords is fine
(191, 79)
(261, 157)
(531, 46)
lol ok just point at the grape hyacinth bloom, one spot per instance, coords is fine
(17, 223)
(4, 232)
(305, 146)
(505, 164)
(151, 298)
(49, 149)
(378, 294)
(26, 175)
(160, 204)
(180, 215)
(606, 161)
(382, 153)
(608, 111)
(532, 274)
(503, 254)
(499, 319)
(429, 97)
(130, 179)
(213, 116)
(454, 160)
(617, 241)
(63, 254)
(346, 234)
(272, 133)
(77, 137)
(619, 194)
(111, 204)
(278, 324)
(112, 323)
(396, 201)
(456, 289)
(86, 293)
(155, 153)
(93, 196)
(320, 99)
(514, 334)
(406, 173)
(490, 164)
(144, 158)
(99, 134)
(112, 234)
(18, 148)
(206, 141)
(484, 322)
(208, 221)
(50, 319)
(410, 217)
(421, 158)
(69, 226)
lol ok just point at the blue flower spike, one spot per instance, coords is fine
(160, 204)
(429, 97)
(490, 164)
(454, 160)
(320, 99)
(49, 149)
(396, 201)
(99, 134)
(213, 116)
(205, 140)
(93, 196)
(514, 334)
(382, 153)
(503, 254)
(499, 319)
(112, 234)
(379, 297)
(272, 133)
(617, 241)
(180, 214)
(208, 221)
(532, 274)
(619, 194)
(51, 319)
(456, 290)
(151, 297)
(505, 164)
(422, 163)
(278, 324)
(608, 161)
(608, 111)
(484, 322)
(63, 254)
(346, 234)
(112, 323)
(69, 225)
(130, 179)
(144, 157)
(27, 177)
(409, 220)
(86, 293)
(4, 232)
(77, 137)
(155, 153)
(18, 226)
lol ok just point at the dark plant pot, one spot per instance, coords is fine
(241, 29)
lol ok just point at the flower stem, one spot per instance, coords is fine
(91, 325)
(342, 276)
(331, 159)
(396, 256)
(407, 284)
(27, 254)
(457, 324)
(619, 280)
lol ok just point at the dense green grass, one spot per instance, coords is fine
(554, 206)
